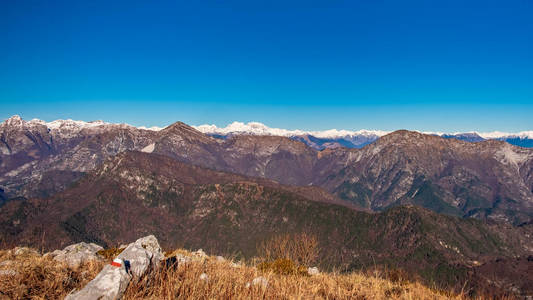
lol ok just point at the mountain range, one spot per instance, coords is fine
(443, 209)
(490, 180)
(135, 193)
(334, 138)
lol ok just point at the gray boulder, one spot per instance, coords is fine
(112, 281)
(75, 255)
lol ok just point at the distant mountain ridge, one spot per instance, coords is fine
(334, 138)
(487, 180)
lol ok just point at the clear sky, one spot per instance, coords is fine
(453, 65)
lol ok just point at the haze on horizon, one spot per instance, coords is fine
(380, 65)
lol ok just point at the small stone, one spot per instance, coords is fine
(313, 271)
(183, 259)
(199, 253)
(8, 273)
(221, 259)
(204, 277)
(262, 281)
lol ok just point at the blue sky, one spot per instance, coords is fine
(425, 65)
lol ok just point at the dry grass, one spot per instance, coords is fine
(226, 281)
(110, 253)
(282, 266)
(43, 278)
(36, 277)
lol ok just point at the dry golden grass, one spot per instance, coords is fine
(110, 253)
(39, 277)
(226, 281)
(44, 278)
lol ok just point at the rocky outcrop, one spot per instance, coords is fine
(77, 254)
(138, 258)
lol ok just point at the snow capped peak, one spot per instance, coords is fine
(15, 120)
(153, 128)
(256, 128)
(72, 124)
(499, 134)
(251, 128)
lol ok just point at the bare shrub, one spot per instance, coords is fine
(302, 248)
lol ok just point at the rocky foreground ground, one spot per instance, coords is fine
(141, 270)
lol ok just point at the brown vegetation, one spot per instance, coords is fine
(228, 281)
(301, 248)
(38, 277)
(31, 276)
(110, 253)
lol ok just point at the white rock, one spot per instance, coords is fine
(204, 277)
(313, 271)
(221, 259)
(262, 281)
(112, 281)
(183, 259)
(8, 273)
(149, 149)
(199, 253)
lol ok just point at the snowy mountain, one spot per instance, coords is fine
(488, 180)
(319, 140)
(334, 138)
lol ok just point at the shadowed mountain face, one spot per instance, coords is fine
(487, 180)
(134, 193)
